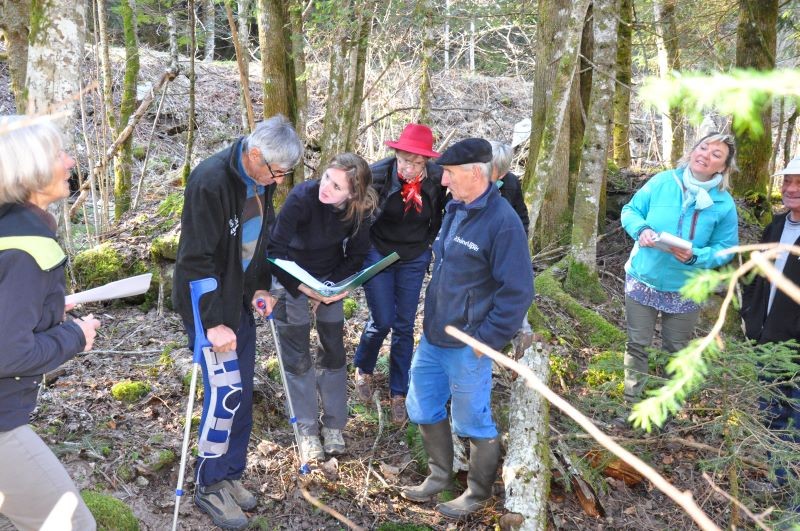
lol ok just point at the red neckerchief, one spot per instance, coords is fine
(412, 192)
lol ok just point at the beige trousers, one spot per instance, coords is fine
(35, 490)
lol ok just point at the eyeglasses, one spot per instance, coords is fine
(278, 174)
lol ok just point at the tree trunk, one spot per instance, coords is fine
(550, 110)
(346, 80)
(243, 26)
(108, 103)
(124, 157)
(428, 46)
(187, 159)
(55, 54)
(172, 28)
(526, 470)
(298, 60)
(622, 93)
(243, 64)
(15, 19)
(273, 58)
(209, 19)
(788, 143)
(598, 132)
(668, 61)
(775, 148)
(756, 42)
(447, 36)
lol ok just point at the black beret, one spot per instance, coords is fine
(466, 151)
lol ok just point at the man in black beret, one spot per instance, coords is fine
(482, 283)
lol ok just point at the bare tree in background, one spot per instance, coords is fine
(14, 24)
(209, 21)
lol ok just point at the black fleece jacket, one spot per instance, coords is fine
(783, 321)
(211, 242)
(408, 233)
(33, 337)
(512, 192)
(313, 235)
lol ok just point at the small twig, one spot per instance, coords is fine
(122, 351)
(757, 519)
(333, 512)
(375, 443)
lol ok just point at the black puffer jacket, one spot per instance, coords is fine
(33, 337)
(783, 321)
(409, 233)
(512, 192)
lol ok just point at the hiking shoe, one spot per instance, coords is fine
(217, 502)
(363, 384)
(311, 448)
(243, 497)
(398, 409)
(334, 441)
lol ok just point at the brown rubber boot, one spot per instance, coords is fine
(438, 442)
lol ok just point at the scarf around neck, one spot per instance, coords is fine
(411, 192)
(696, 192)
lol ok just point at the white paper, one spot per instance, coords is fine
(665, 240)
(126, 287)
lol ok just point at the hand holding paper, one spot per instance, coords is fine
(127, 287)
(665, 240)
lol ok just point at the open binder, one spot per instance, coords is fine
(328, 288)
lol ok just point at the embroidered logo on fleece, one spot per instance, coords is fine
(233, 224)
(469, 245)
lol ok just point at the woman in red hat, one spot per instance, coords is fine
(411, 203)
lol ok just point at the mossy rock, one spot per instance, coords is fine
(171, 206)
(165, 247)
(583, 283)
(129, 390)
(274, 369)
(110, 513)
(97, 266)
(350, 306)
(161, 460)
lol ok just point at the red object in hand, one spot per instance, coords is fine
(261, 303)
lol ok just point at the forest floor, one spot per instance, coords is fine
(131, 450)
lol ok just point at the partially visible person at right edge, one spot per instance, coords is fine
(690, 202)
(35, 337)
(771, 316)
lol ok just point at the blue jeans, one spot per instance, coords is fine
(231, 465)
(439, 374)
(783, 416)
(392, 296)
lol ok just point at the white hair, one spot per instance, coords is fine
(277, 140)
(29, 149)
(501, 157)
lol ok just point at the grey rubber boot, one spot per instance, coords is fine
(438, 442)
(484, 456)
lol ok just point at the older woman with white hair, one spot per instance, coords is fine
(690, 202)
(507, 182)
(35, 337)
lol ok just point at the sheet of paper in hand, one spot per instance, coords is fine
(126, 287)
(328, 288)
(665, 240)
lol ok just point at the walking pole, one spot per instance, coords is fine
(304, 468)
(197, 288)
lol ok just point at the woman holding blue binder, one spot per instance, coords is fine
(324, 228)
(690, 202)
(408, 219)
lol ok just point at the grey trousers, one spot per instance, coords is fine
(676, 330)
(311, 382)
(35, 490)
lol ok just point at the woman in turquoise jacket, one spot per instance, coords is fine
(690, 202)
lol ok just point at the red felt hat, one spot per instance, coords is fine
(415, 138)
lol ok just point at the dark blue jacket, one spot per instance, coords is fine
(482, 280)
(33, 337)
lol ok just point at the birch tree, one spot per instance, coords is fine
(551, 105)
(597, 136)
(14, 24)
(209, 21)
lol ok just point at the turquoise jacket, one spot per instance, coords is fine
(657, 205)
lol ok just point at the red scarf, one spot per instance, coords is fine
(412, 192)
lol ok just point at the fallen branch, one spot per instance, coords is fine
(333, 512)
(684, 499)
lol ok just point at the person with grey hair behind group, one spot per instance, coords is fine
(227, 213)
(507, 182)
(35, 336)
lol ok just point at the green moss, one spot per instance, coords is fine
(562, 368)
(350, 306)
(126, 473)
(109, 512)
(161, 460)
(171, 206)
(97, 266)
(592, 325)
(187, 381)
(129, 391)
(274, 369)
(583, 283)
(139, 152)
(260, 523)
(606, 371)
(164, 247)
(539, 322)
